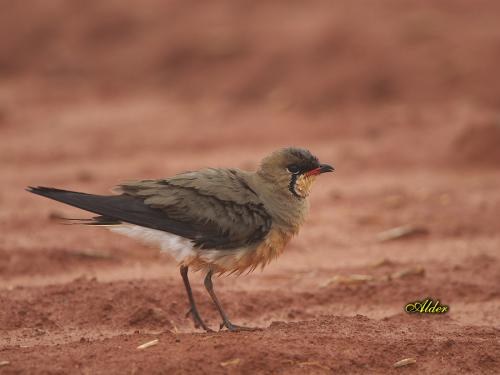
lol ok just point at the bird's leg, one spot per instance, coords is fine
(225, 320)
(198, 322)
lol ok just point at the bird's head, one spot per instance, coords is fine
(293, 170)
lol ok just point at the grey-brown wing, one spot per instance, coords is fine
(206, 220)
(223, 211)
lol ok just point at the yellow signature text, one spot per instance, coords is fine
(427, 306)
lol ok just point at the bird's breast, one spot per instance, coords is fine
(274, 244)
(245, 259)
(264, 252)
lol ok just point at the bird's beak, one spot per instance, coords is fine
(323, 168)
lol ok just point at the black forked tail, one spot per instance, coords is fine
(114, 209)
(76, 199)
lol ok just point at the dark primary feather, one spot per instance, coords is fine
(119, 207)
(96, 220)
(187, 211)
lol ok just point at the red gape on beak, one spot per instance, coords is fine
(323, 168)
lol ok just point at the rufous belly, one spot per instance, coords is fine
(240, 260)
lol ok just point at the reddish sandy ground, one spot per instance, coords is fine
(402, 99)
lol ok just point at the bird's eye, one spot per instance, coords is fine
(294, 169)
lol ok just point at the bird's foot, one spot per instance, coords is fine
(198, 322)
(235, 328)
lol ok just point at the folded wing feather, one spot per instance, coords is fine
(212, 208)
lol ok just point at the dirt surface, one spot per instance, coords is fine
(402, 98)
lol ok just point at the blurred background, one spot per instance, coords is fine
(92, 93)
(402, 97)
(407, 82)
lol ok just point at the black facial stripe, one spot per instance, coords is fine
(291, 185)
